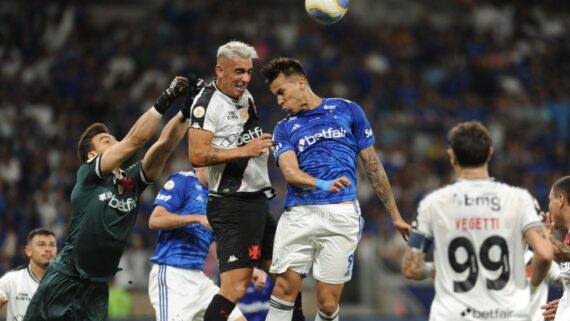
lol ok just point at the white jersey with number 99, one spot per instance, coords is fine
(477, 228)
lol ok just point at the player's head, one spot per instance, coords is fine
(469, 145)
(234, 67)
(41, 247)
(288, 83)
(558, 202)
(94, 141)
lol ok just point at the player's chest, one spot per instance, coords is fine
(308, 131)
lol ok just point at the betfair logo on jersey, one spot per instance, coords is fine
(239, 140)
(120, 205)
(329, 133)
(492, 314)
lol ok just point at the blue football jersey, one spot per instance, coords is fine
(326, 140)
(185, 247)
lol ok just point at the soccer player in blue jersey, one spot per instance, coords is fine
(316, 147)
(178, 287)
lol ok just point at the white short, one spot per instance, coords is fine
(182, 294)
(321, 236)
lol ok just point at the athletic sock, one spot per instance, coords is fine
(298, 309)
(279, 310)
(321, 316)
(219, 309)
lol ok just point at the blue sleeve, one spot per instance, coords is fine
(361, 127)
(171, 194)
(280, 141)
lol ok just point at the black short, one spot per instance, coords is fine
(244, 229)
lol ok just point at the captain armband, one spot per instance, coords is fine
(420, 242)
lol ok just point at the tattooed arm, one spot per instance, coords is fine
(537, 238)
(201, 152)
(415, 267)
(379, 180)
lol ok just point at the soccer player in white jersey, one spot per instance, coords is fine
(477, 226)
(19, 285)
(316, 147)
(226, 135)
(558, 217)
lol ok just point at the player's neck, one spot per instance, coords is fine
(37, 270)
(472, 173)
(312, 101)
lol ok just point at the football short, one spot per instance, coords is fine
(323, 237)
(244, 229)
(61, 297)
(182, 294)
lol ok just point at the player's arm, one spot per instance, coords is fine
(143, 129)
(379, 180)
(162, 219)
(201, 152)
(289, 165)
(536, 237)
(414, 266)
(157, 155)
(4, 290)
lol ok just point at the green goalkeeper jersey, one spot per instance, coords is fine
(104, 211)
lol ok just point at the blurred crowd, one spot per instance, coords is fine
(505, 63)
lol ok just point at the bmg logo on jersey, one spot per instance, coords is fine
(480, 200)
(323, 134)
(493, 314)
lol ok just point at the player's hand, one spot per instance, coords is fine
(335, 185)
(550, 309)
(178, 87)
(203, 220)
(259, 278)
(548, 221)
(404, 228)
(195, 85)
(3, 298)
(258, 145)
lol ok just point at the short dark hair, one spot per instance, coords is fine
(38, 231)
(85, 144)
(282, 65)
(562, 186)
(471, 143)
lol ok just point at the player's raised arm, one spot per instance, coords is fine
(143, 129)
(379, 180)
(294, 175)
(537, 238)
(156, 157)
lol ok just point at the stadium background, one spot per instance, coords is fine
(417, 68)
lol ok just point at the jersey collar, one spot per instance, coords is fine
(32, 274)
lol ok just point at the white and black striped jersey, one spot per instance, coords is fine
(234, 123)
(18, 286)
(477, 228)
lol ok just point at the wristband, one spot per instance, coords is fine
(323, 185)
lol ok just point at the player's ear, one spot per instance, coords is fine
(28, 251)
(452, 158)
(91, 154)
(491, 152)
(219, 69)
